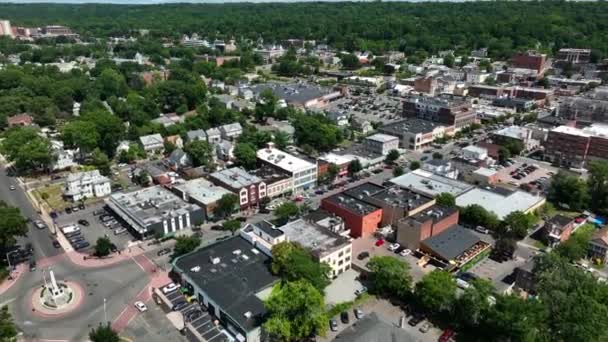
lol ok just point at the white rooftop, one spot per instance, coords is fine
(202, 190)
(513, 132)
(283, 160)
(500, 201)
(430, 183)
(484, 171)
(382, 137)
(475, 149)
(598, 130)
(337, 159)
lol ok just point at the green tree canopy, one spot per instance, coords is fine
(389, 275)
(446, 199)
(598, 186)
(392, 156)
(8, 329)
(286, 211)
(186, 244)
(226, 205)
(104, 333)
(103, 247)
(436, 291)
(29, 151)
(201, 153)
(291, 262)
(231, 225)
(568, 191)
(245, 154)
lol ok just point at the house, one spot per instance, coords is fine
(64, 159)
(20, 120)
(250, 188)
(175, 140)
(225, 150)
(178, 160)
(214, 135)
(231, 131)
(374, 328)
(197, 134)
(558, 229)
(597, 249)
(152, 143)
(89, 184)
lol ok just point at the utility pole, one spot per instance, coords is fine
(105, 313)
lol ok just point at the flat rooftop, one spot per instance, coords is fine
(234, 281)
(202, 190)
(236, 177)
(318, 240)
(269, 175)
(351, 204)
(149, 205)
(283, 160)
(514, 132)
(364, 190)
(435, 213)
(412, 125)
(403, 198)
(430, 184)
(293, 92)
(383, 138)
(498, 200)
(452, 242)
(439, 101)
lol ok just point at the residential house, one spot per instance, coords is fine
(175, 140)
(231, 131)
(225, 150)
(558, 229)
(152, 143)
(178, 160)
(597, 249)
(20, 120)
(214, 135)
(197, 134)
(87, 184)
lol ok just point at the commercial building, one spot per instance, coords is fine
(430, 184)
(300, 94)
(374, 328)
(515, 133)
(360, 217)
(446, 109)
(250, 188)
(593, 108)
(501, 201)
(531, 60)
(277, 183)
(395, 202)
(574, 147)
(485, 176)
(230, 279)
(154, 210)
(415, 134)
(302, 172)
(454, 247)
(429, 222)
(474, 153)
(381, 143)
(557, 229)
(441, 167)
(5, 29)
(574, 56)
(89, 184)
(326, 160)
(202, 193)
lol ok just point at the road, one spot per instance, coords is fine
(41, 239)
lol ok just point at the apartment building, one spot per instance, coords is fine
(302, 172)
(415, 134)
(250, 188)
(381, 143)
(87, 184)
(446, 109)
(574, 147)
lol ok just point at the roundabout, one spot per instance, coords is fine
(56, 298)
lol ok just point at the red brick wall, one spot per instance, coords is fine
(567, 232)
(359, 225)
(426, 230)
(444, 224)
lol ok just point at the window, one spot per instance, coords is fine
(340, 262)
(347, 259)
(340, 254)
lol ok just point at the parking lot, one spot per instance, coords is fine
(95, 228)
(364, 107)
(368, 245)
(525, 173)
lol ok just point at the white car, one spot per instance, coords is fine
(394, 247)
(462, 284)
(141, 306)
(405, 252)
(170, 288)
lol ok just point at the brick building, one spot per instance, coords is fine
(531, 60)
(416, 228)
(558, 229)
(574, 147)
(249, 188)
(360, 217)
(445, 109)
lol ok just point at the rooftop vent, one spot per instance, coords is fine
(255, 251)
(236, 252)
(248, 314)
(245, 257)
(215, 261)
(195, 269)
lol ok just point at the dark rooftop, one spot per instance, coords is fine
(435, 213)
(413, 125)
(364, 190)
(239, 272)
(372, 328)
(268, 228)
(452, 242)
(269, 174)
(352, 204)
(559, 220)
(402, 198)
(298, 93)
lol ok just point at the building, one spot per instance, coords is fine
(56, 30)
(214, 135)
(154, 210)
(249, 188)
(593, 108)
(178, 159)
(430, 184)
(20, 120)
(485, 176)
(301, 95)
(231, 131)
(574, 56)
(277, 183)
(197, 134)
(501, 201)
(446, 109)
(175, 140)
(525, 279)
(515, 133)
(416, 134)
(381, 143)
(360, 217)
(430, 221)
(231, 279)
(597, 249)
(373, 328)
(395, 202)
(558, 229)
(302, 172)
(89, 184)
(454, 246)
(5, 29)
(531, 60)
(474, 153)
(152, 143)
(201, 192)
(574, 147)
(441, 167)
(325, 161)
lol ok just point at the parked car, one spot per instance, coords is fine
(482, 230)
(99, 212)
(360, 291)
(193, 315)
(32, 265)
(169, 288)
(462, 284)
(180, 305)
(415, 320)
(405, 252)
(84, 222)
(379, 242)
(56, 244)
(81, 245)
(68, 210)
(163, 251)
(425, 327)
(363, 255)
(141, 306)
(359, 313)
(394, 247)
(120, 231)
(39, 224)
(344, 317)
(446, 335)
(81, 206)
(333, 324)
(12, 187)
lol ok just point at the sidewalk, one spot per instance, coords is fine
(16, 274)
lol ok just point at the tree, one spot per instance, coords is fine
(575, 248)
(286, 211)
(201, 153)
(226, 205)
(109, 126)
(8, 330)
(517, 224)
(598, 186)
(104, 333)
(100, 161)
(391, 157)
(291, 262)
(414, 165)
(281, 139)
(436, 291)
(398, 171)
(296, 310)
(354, 167)
(448, 60)
(437, 155)
(81, 134)
(231, 225)
(389, 275)
(513, 319)
(111, 83)
(568, 191)
(103, 247)
(503, 154)
(446, 199)
(333, 171)
(474, 304)
(476, 215)
(504, 248)
(350, 61)
(29, 151)
(12, 224)
(143, 178)
(186, 244)
(245, 154)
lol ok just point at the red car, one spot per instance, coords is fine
(446, 336)
(379, 242)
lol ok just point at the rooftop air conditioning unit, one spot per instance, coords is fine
(215, 261)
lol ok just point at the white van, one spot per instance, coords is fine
(70, 229)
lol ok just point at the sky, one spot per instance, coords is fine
(141, 2)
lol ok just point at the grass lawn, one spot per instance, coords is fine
(539, 244)
(54, 196)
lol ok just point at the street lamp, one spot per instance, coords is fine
(105, 313)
